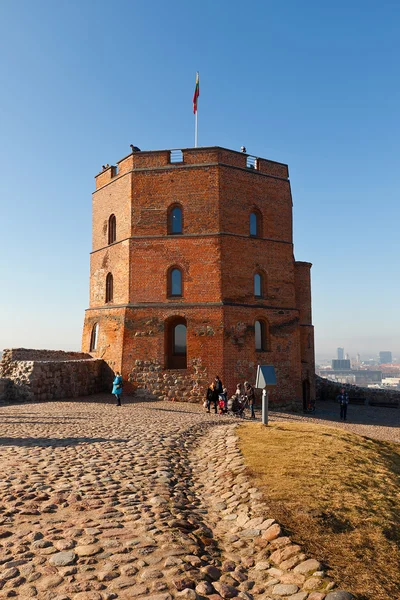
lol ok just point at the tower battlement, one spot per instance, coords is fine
(189, 157)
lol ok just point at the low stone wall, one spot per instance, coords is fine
(185, 385)
(5, 388)
(14, 354)
(50, 375)
(328, 390)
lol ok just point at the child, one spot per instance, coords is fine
(221, 405)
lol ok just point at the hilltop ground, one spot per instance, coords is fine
(150, 500)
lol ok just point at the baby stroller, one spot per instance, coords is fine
(237, 406)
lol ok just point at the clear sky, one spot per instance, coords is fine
(312, 84)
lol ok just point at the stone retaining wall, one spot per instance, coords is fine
(49, 375)
(185, 385)
(328, 390)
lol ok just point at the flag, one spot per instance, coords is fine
(196, 93)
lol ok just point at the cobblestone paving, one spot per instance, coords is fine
(99, 502)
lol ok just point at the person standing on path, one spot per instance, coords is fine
(343, 399)
(117, 387)
(218, 385)
(212, 396)
(250, 394)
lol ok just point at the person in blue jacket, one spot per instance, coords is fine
(117, 387)
(343, 399)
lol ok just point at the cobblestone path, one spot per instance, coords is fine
(99, 502)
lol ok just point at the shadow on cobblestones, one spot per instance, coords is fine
(60, 443)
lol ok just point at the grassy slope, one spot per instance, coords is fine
(338, 495)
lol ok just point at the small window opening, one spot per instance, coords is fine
(175, 220)
(93, 337)
(112, 229)
(260, 336)
(175, 282)
(258, 285)
(253, 224)
(109, 288)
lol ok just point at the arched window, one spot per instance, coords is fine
(175, 221)
(261, 335)
(258, 285)
(93, 338)
(112, 229)
(109, 288)
(176, 343)
(174, 282)
(255, 223)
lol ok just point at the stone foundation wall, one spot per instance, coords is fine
(41, 355)
(184, 385)
(6, 386)
(190, 385)
(50, 375)
(328, 390)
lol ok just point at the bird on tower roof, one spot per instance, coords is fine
(135, 148)
(243, 149)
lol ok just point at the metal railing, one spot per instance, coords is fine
(176, 156)
(252, 162)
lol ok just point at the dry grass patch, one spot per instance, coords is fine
(337, 494)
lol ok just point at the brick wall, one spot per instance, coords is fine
(218, 259)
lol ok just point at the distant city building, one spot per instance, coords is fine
(358, 358)
(385, 358)
(360, 377)
(341, 364)
(340, 353)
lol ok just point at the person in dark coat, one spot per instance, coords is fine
(218, 385)
(343, 399)
(251, 397)
(212, 396)
(117, 388)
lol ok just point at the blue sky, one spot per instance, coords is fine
(312, 84)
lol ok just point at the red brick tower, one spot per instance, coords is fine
(193, 274)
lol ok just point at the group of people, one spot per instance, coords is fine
(217, 395)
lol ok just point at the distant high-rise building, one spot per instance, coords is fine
(358, 358)
(340, 353)
(340, 364)
(385, 358)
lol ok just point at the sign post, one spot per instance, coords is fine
(266, 380)
(265, 406)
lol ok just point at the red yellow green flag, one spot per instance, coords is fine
(196, 93)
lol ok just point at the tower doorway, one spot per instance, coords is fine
(177, 344)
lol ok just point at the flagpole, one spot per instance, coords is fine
(195, 109)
